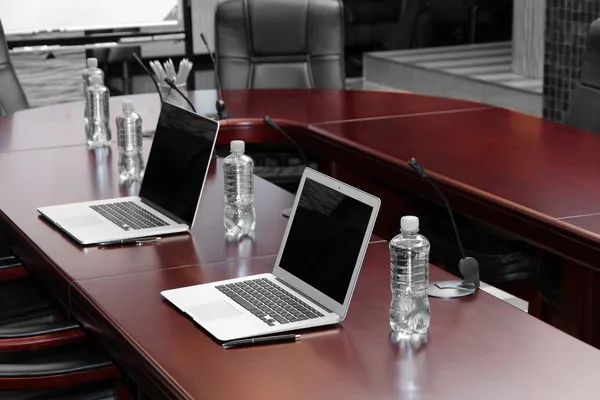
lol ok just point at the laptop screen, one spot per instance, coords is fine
(325, 239)
(178, 162)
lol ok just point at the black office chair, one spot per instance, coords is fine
(12, 96)
(583, 110)
(280, 44)
(42, 354)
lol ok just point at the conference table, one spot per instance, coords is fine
(532, 178)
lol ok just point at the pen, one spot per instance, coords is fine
(137, 242)
(261, 340)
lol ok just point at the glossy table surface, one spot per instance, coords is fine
(479, 347)
(537, 171)
(62, 124)
(494, 158)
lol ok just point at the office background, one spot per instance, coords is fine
(565, 26)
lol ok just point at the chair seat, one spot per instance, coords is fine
(24, 313)
(21, 292)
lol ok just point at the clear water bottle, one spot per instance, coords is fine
(86, 77)
(409, 261)
(97, 100)
(238, 168)
(91, 70)
(129, 141)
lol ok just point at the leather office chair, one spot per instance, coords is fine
(12, 96)
(280, 44)
(43, 355)
(583, 110)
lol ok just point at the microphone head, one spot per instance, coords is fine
(417, 168)
(469, 268)
(220, 106)
(169, 81)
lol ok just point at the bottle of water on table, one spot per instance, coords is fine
(86, 77)
(409, 261)
(97, 99)
(129, 141)
(238, 168)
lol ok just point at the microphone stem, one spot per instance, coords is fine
(273, 125)
(139, 61)
(447, 204)
(220, 102)
(173, 86)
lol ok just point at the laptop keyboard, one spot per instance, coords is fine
(128, 216)
(268, 302)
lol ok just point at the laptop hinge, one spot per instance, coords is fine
(303, 295)
(164, 212)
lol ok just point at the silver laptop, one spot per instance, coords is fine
(170, 192)
(314, 275)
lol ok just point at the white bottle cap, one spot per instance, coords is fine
(96, 80)
(237, 146)
(127, 105)
(92, 62)
(409, 223)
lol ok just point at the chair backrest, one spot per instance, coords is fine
(584, 110)
(270, 44)
(12, 96)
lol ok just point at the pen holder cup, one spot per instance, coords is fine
(170, 95)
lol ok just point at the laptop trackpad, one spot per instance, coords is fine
(83, 221)
(213, 310)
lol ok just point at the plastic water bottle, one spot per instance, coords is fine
(409, 261)
(129, 141)
(91, 70)
(97, 96)
(86, 77)
(239, 216)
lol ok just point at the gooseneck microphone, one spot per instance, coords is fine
(468, 266)
(267, 120)
(220, 106)
(173, 86)
(139, 61)
(274, 125)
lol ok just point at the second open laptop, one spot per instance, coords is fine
(313, 277)
(170, 192)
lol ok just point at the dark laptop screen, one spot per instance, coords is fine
(325, 239)
(178, 162)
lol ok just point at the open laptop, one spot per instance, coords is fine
(314, 275)
(170, 192)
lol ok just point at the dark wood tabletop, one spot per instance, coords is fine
(73, 174)
(62, 124)
(479, 347)
(499, 166)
